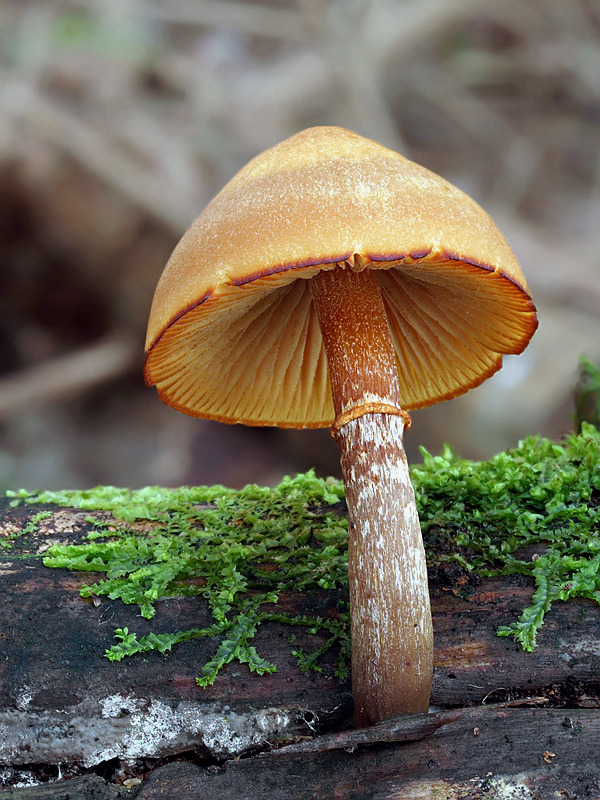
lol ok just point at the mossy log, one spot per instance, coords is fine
(503, 720)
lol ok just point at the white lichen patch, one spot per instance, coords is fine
(129, 727)
(118, 706)
(24, 698)
(17, 778)
(155, 728)
(508, 788)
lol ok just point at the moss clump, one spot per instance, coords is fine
(541, 496)
(237, 549)
(245, 548)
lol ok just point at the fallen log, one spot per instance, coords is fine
(63, 703)
(486, 753)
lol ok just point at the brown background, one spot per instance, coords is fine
(120, 119)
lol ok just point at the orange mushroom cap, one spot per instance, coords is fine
(233, 334)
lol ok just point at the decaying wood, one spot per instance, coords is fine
(403, 728)
(486, 754)
(62, 702)
(534, 754)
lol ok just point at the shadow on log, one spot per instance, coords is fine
(502, 720)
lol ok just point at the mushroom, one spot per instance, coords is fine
(332, 282)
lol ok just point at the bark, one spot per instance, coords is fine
(62, 702)
(485, 754)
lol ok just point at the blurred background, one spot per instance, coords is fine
(120, 119)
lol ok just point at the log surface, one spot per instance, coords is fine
(62, 702)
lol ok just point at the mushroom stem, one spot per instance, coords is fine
(392, 638)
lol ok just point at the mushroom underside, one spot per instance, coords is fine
(260, 360)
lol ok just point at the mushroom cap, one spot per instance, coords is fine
(233, 333)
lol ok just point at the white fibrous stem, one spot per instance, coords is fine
(392, 652)
(392, 638)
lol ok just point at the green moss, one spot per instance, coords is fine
(532, 510)
(237, 549)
